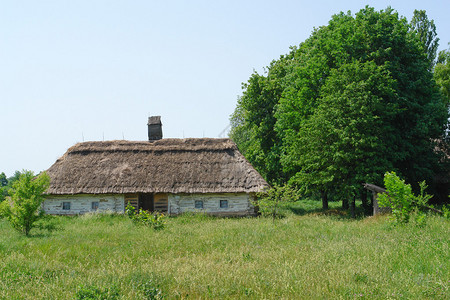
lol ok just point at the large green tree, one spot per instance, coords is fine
(355, 100)
(343, 143)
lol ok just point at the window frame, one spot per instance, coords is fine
(223, 204)
(97, 204)
(66, 205)
(198, 202)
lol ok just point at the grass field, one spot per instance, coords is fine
(303, 256)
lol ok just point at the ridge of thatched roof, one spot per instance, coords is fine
(194, 165)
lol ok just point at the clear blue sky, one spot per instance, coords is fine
(98, 69)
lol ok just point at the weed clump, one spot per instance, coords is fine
(156, 220)
(93, 292)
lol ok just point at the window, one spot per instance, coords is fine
(198, 204)
(223, 203)
(94, 205)
(66, 205)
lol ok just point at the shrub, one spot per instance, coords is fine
(269, 201)
(130, 210)
(2, 194)
(22, 209)
(401, 199)
(49, 223)
(446, 211)
(156, 220)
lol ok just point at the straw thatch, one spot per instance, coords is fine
(164, 166)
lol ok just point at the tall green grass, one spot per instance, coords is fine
(306, 256)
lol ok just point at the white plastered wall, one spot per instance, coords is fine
(238, 203)
(80, 204)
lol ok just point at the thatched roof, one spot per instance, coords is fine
(165, 166)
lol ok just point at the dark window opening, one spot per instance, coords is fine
(223, 203)
(146, 202)
(94, 205)
(198, 204)
(66, 206)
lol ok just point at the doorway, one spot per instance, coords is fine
(146, 202)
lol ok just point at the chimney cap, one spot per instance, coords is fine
(154, 120)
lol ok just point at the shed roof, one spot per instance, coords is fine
(195, 165)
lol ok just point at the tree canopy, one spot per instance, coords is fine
(353, 101)
(442, 74)
(426, 31)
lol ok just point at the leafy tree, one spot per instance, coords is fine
(344, 137)
(3, 180)
(442, 77)
(6, 183)
(426, 31)
(365, 119)
(3, 184)
(442, 74)
(354, 100)
(23, 209)
(15, 177)
(253, 121)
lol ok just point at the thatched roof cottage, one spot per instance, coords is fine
(169, 175)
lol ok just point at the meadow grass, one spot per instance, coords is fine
(305, 255)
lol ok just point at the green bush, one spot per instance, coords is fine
(2, 194)
(156, 220)
(22, 210)
(402, 201)
(3, 208)
(446, 211)
(49, 223)
(272, 200)
(130, 210)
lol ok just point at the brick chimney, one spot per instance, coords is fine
(154, 128)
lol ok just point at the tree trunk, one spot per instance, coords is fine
(353, 207)
(324, 200)
(345, 203)
(372, 195)
(365, 203)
